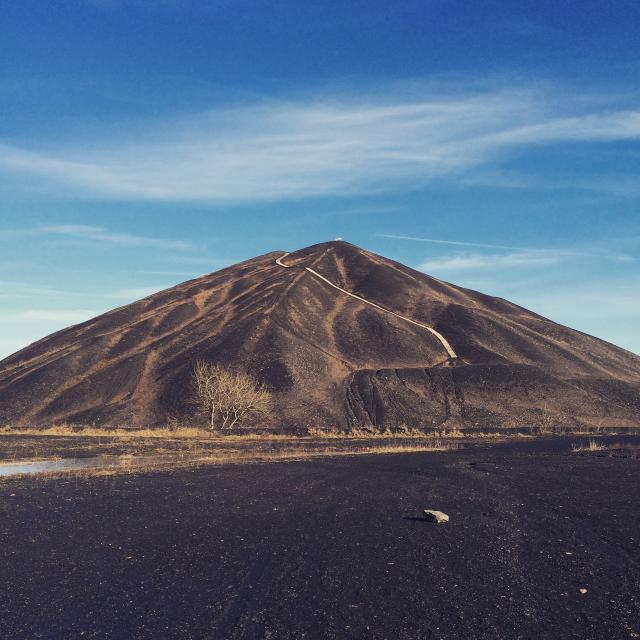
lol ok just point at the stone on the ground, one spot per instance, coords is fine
(436, 516)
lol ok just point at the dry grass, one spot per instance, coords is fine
(131, 464)
(107, 432)
(67, 441)
(312, 433)
(411, 432)
(164, 433)
(362, 434)
(614, 448)
(592, 445)
(302, 452)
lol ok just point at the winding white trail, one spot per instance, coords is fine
(443, 341)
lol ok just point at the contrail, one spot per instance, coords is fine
(460, 244)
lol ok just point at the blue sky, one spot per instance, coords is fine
(492, 144)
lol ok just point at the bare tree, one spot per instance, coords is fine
(227, 396)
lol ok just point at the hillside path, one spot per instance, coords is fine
(443, 341)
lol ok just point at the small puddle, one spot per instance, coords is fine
(96, 462)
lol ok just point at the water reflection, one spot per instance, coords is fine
(95, 462)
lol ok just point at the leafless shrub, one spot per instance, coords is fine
(598, 426)
(172, 423)
(547, 422)
(226, 396)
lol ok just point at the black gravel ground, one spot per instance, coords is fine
(330, 549)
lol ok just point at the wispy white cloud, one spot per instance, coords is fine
(177, 274)
(99, 235)
(135, 293)
(452, 242)
(104, 236)
(56, 316)
(497, 256)
(19, 289)
(331, 146)
(531, 258)
(217, 263)
(475, 261)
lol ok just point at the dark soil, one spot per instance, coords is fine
(330, 549)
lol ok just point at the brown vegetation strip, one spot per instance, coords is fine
(128, 463)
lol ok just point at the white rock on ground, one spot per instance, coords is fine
(436, 516)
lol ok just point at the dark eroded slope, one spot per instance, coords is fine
(330, 359)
